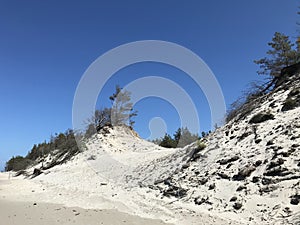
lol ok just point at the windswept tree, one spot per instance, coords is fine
(101, 118)
(122, 108)
(120, 113)
(282, 54)
(17, 163)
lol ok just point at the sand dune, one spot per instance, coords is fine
(247, 174)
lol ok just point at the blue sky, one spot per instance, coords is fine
(46, 46)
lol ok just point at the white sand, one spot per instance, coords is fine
(108, 182)
(25, 213)
(21, 205)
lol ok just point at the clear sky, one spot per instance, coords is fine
(46, 46)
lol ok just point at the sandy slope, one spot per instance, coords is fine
(120, 171)
(248, 172)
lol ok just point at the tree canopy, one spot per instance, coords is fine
(281, 54)
(122, 107)
(64, 144)
(182, 137)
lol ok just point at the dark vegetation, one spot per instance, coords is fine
(292, 101)
(62, 145)
(18, 163)
(261, 117)
(181, 138)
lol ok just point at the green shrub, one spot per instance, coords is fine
(292, 101)
(261, 117)
(289, 104)
(200, 145)
(295, 92)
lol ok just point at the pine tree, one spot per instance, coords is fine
(186, 138)
(177, 136)
(122, 108)
(281, 54)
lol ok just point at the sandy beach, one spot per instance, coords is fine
(26, 207)
(32, 213)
